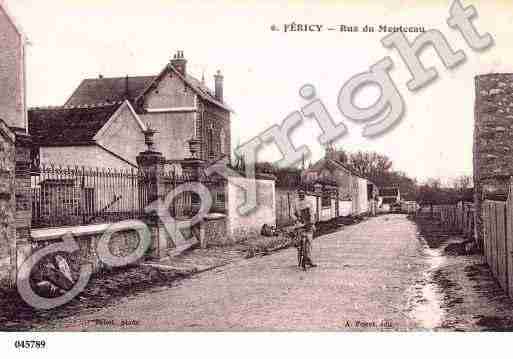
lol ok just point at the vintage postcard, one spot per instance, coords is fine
(255, 166)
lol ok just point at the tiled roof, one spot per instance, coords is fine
(94, 91)
(323, 162)
(60, 126)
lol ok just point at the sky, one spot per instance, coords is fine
(264, 70)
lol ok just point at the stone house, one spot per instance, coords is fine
(174, 103)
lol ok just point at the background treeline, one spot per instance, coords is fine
(378, 168)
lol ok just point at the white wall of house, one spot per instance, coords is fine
(174, 129)
(327, 212)
(263, 214)
(363, 202)
(123, 134)
(173, 112)
(171, 92)
(345, 208)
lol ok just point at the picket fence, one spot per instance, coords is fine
(457, 218)
(498, 240)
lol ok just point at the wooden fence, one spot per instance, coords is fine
(498, 240)
(457, 218)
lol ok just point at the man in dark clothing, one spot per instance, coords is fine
(304, 214)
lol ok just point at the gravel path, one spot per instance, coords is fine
(365, 272)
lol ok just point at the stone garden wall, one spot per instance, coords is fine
(493, 139)
(121, 244)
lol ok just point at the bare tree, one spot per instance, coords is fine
(434, 183)
(462, 183)
(372, 165)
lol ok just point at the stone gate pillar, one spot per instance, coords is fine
(151, 164)
(23, 217)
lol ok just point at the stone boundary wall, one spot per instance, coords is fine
(493, 140)
(121, 244)
(213, 230)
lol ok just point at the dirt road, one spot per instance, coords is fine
(363, 281)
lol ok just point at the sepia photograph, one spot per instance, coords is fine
(248, 166)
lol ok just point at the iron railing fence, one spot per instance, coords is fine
(79, 195)
(187, 203)
(67, 196)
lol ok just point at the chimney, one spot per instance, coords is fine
(218, 78)
(331, 153)
(179, 62)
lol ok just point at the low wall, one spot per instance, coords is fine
(213, 230)
(264, 213)
(284, 197)
(121, 243)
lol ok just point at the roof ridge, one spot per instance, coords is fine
(81, 106)
(37, 108)
(116, 77)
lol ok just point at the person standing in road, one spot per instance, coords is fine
(304, 213)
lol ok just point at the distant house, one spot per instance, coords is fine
(389, 196)
(329, 173)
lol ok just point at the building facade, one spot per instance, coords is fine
(175, 104)
(12, 71)
(15, 214)
(328, 172)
